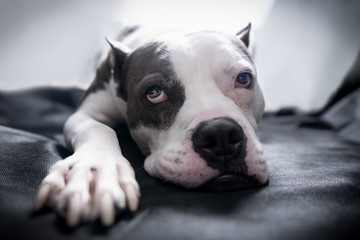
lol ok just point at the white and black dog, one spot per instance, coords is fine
(191, 102)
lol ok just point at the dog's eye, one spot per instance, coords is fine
(155, 94)
(243, 80)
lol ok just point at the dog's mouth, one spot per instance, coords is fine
(230, 182)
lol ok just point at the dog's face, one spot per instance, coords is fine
(193, 103)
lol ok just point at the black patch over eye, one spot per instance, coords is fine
(155, 94)
(243, 80)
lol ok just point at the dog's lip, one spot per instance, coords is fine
(230, 182)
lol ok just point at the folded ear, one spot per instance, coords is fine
(119, 53)
(244, 35)
(116, 59)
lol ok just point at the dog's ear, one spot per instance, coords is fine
(119, 52)
(244, 35)
(116, 58)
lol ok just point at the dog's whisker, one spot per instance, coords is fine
(140, 168)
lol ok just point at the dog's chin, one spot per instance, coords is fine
(230, 182)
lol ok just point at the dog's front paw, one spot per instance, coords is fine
(87, 186)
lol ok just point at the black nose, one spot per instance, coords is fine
(219, 141)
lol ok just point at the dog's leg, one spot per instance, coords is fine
(96, 178)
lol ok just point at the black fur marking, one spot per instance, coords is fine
(103, 74)
(245, 35)
(147, 66)
(106, 68)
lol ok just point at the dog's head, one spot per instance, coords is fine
(193, 103)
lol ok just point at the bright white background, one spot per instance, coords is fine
(303, 48)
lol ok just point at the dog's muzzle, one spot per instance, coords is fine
(221, 142)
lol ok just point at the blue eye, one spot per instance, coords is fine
(244, 79)
(153, 92)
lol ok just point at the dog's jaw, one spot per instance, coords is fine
(179, 167)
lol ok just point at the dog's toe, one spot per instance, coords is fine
(115, 189)
(106, 209)
(128, 183)
(42, 196)
(74, 212)
(53, 184)
(132, 196)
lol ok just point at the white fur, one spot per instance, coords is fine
(97, 176)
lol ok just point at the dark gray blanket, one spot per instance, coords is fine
(313, 193)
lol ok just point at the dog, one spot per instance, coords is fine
(191, 101)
